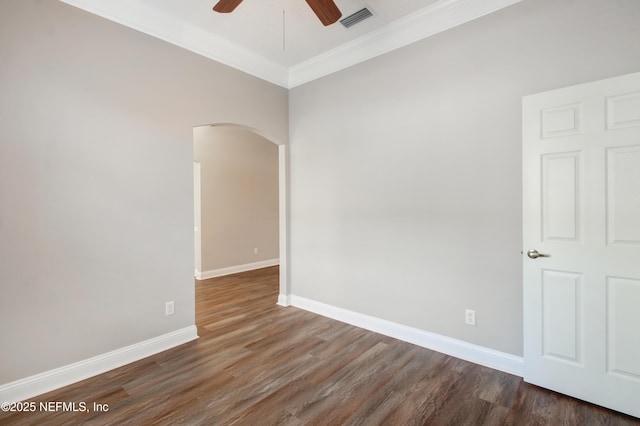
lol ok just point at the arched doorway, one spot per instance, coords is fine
(282, 258)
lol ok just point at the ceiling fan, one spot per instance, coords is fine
(325, 10)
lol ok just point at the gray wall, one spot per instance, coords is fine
(239, 193)
(406, 169)
(96, 189)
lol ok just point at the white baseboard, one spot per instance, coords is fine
(283, 300)
(457, 348)
(204, 275)
(39, 384)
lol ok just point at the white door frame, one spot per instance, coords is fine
(283, 228)
(197, 219)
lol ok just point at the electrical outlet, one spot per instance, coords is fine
(256, 251)
(169, 308)
(470, 317)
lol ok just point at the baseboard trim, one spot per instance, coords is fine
(457, 348)
(283, 300)
(205, 275)
(23, 389)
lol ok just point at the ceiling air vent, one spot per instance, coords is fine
(354, 18)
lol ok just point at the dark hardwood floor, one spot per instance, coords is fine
(257, 363)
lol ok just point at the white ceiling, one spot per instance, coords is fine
(258, 24)
(282, 41)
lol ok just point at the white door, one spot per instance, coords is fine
(581, 207)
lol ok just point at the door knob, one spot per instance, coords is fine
(533, 254)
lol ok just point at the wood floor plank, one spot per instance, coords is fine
(257, 363)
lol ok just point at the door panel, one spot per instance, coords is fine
(623, 197)
(623, 332)
(561, 196)
(581, 208)
(623, 111)
(561, 316)
(561, 121)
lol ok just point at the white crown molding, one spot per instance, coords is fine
(419, 25)
(205, 275)
(39, 384)
(433, 19)
(139, 16)
(457, 348)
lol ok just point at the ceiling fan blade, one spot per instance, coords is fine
(326, 10)
(226, 6)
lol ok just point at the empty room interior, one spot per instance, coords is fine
(426, 214)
